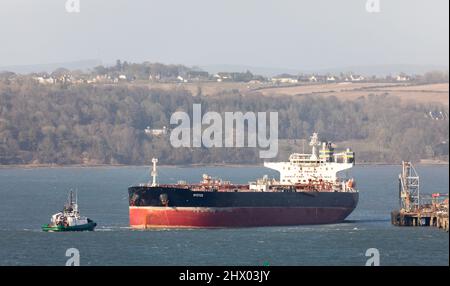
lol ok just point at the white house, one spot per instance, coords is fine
(284, 80)
(331, 78)
(402, 78)
(44, 80)
(156, 132)
(313, 78)
(180, 78)
(223, 76)
(154, 77)
(357, 78)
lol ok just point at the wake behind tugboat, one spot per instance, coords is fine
(69, 219)
(309, 191)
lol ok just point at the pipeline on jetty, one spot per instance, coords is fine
(418, 209)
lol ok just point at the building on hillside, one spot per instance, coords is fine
(44, 79)
(355, 78)
(331, 78)
(402, 78)
(285, 79)
(156, 132)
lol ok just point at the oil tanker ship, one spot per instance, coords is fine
(309, 191)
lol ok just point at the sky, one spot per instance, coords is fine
(296, 34)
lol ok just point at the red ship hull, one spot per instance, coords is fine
(192, 217)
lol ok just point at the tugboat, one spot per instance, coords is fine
(69, 219)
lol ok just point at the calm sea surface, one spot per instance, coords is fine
(28, 197)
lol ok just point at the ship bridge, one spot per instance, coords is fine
(303, 168)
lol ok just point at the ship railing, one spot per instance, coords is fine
(207, 187)
(342, 157)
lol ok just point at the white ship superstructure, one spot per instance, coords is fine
(306, 168)
(70, 216)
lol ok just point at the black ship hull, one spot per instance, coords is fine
(179, 207)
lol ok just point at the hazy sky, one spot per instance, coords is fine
(299, 34)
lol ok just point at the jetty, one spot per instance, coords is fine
(418, 209)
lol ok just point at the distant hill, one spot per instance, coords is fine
(264, 71)
(377, 70)
(385, 70)
(76, 65)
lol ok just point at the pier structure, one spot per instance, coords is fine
(418, 209)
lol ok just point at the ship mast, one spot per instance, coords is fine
(72, 204)
(154, 173)
(70, 197)
(76, 201)
(314, 143)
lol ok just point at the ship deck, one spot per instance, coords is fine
(322, 187)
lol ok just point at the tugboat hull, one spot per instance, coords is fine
(84, 227)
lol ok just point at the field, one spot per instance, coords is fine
(426, 93)
(430, 93)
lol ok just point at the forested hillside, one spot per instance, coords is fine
(104, 124)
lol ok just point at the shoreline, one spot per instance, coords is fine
(55, 166)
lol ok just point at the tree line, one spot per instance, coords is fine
(88, 124)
